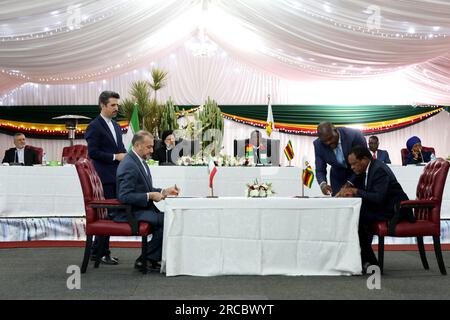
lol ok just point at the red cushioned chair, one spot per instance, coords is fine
(96, 222)
(404, 153)
(74, 153)
(427, 210)
(39, 151)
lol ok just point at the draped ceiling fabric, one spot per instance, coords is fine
(301, 52)
(308, 52)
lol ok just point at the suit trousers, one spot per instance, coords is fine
(154, 246)
(368, 216)
(109, 192)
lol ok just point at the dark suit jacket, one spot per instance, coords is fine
(325, 155)
(133, 184)
(383, 156)
(161, 152)
(102, 147)
(426, 157)
(30, 156)
(381, 194)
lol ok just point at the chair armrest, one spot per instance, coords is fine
(116, 204)
(418, 204)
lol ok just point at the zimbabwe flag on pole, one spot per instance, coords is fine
(308, 175)
(288, 151)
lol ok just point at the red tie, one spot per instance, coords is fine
(375, 155)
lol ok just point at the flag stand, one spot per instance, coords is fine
(303, 187)
(212, 193)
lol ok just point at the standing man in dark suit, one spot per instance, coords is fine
(21, 154)
(381, 195)
(378, 154)
(106, 149)
(135, 187)
(333, 147)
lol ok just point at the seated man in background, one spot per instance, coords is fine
(20, 154)
(415, 153)
(164, 153)
(378, 154)
(258, 148)
(135, 187)
(380, 195)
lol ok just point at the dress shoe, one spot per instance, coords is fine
(107, 260)
(152, 265)
(366, 265)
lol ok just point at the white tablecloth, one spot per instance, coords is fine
(40, 192)
(230, 182)
(56, 191)
(265, 236)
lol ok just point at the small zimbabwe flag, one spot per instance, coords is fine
(308, 175)
(288, 151)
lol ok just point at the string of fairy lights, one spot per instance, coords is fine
(412, 32)
(378, 127)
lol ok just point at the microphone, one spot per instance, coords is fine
(421, 156)
(257, 154)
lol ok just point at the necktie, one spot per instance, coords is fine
(374, 155)
(340, 155)
(146, 168)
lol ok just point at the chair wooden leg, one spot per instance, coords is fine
(422, 253)
(438, 252)
(381, 253)
(144, 254)
(87, 254)
(101, 249)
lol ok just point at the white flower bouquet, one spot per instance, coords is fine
(259, 190)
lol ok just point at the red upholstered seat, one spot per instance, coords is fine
(404, 153)
(427, 209)
(74, 153)
(39, 151)
(96, 214)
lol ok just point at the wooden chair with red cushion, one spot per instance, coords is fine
(74, 153)
(427, 210)
(96, 212)
(40, 151)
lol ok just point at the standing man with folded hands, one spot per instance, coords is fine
(106, 149)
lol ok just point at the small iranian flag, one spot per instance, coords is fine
(212, 171)
(133, 127)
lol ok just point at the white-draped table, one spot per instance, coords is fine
(40, 191)
(55, 191)
(261, 236)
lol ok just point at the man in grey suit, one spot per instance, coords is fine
(135, 187)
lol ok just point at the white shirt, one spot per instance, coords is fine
(367, 175)
(111, 127)
(20, 155)
(142, 162)
(145, 170)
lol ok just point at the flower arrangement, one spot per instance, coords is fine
(259, 190)
(220, 161)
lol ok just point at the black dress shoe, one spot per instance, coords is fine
(366, 265)
(152, 265)
(105, 258)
